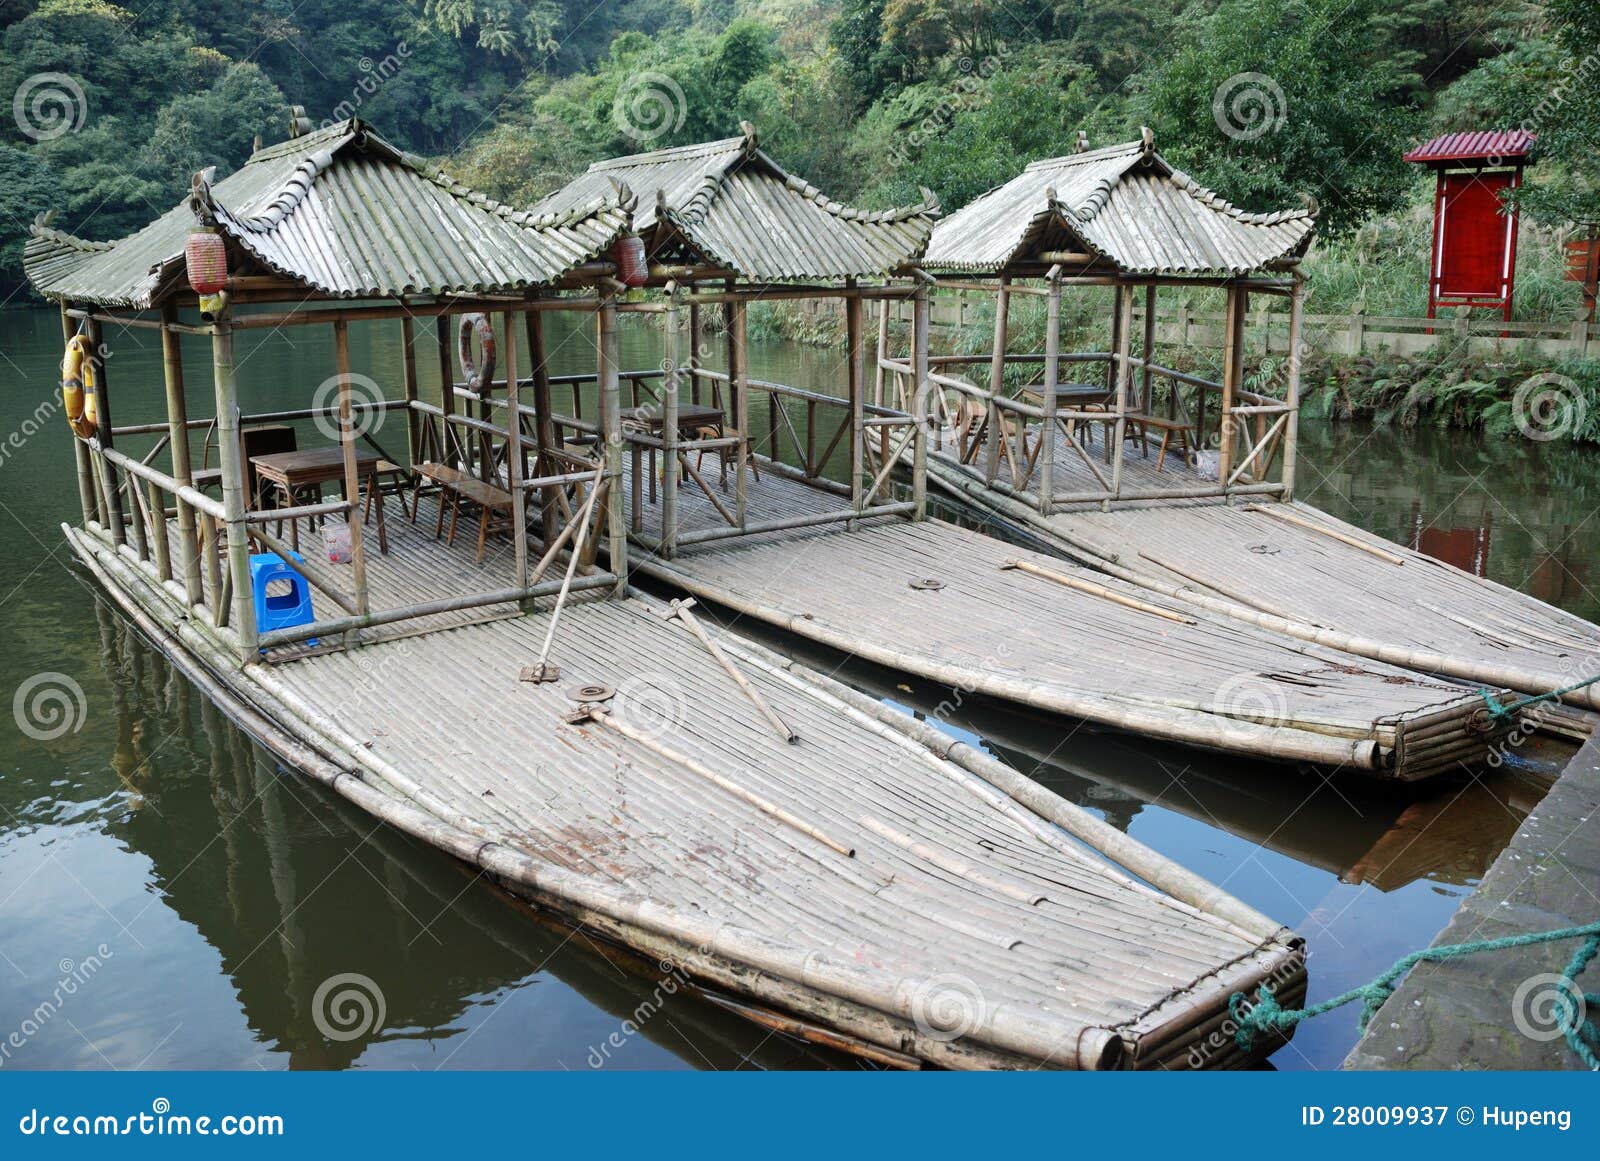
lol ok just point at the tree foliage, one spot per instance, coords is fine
(872, 99)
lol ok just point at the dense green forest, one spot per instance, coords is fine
(113, 107)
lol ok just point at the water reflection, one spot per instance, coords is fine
(293, 887)
(1504, 508)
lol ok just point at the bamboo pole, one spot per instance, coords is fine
(230, 453)
(598, 713)
(352, 481)
(1354, 542)
(997, 378)
(1083, 586)
(1291, 439)
(681, 609)
(408, 360)
(110, 484)
(514, 462)
(854, 376)
(1052, 377)
(1124, 372)
(669, 426)
(1232, 372)
(87, 500)
(1147, 347)
(923, 386)
(739, 384)
(178, 440)
(544, 425)
(447, 402)
(611, 430)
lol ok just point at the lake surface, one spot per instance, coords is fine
(169, 898)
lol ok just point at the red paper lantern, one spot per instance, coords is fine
(206, 258)
(628, 253)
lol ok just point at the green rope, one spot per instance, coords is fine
(1266, 1015)
(1502, 712)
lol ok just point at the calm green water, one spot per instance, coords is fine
(171, 899)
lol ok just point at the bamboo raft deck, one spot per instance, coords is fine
(1106, 651)
(976, 920)
(1295, 569)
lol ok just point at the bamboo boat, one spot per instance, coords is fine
(1174, 483)
(961, 608)
(1294, 569)
(900, 903)
(820, 863)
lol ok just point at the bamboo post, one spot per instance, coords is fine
(449, 447)
(352, 482)
(1120, 362)
(178, 449)
(514, 463)
(739, 388)
(997, 379)
(693, 361)
(611, 433)
(1232, 369)
(408, 357)
(533, 323)
(155, 507)
(919, 368)
(855, 381)
(88, 500)
(1291, 436)
(102, 411)
(669, 425)
(883, 352)
(1052, 377)
(230, 457)
(1148, 349)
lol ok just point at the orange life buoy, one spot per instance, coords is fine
(479, 374)
(77, 386)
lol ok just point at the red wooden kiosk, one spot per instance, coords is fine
(1474, 260)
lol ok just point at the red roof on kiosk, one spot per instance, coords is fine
(1497, 145)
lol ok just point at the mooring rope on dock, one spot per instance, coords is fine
(1502, 712)
(1264, 1015)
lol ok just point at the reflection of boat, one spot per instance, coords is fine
(1360, 831)
(293, 887)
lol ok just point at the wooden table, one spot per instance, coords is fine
(291, 471)
(649, 419)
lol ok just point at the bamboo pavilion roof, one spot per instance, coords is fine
(729, 204)
(1122, 204)
(346, 214)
